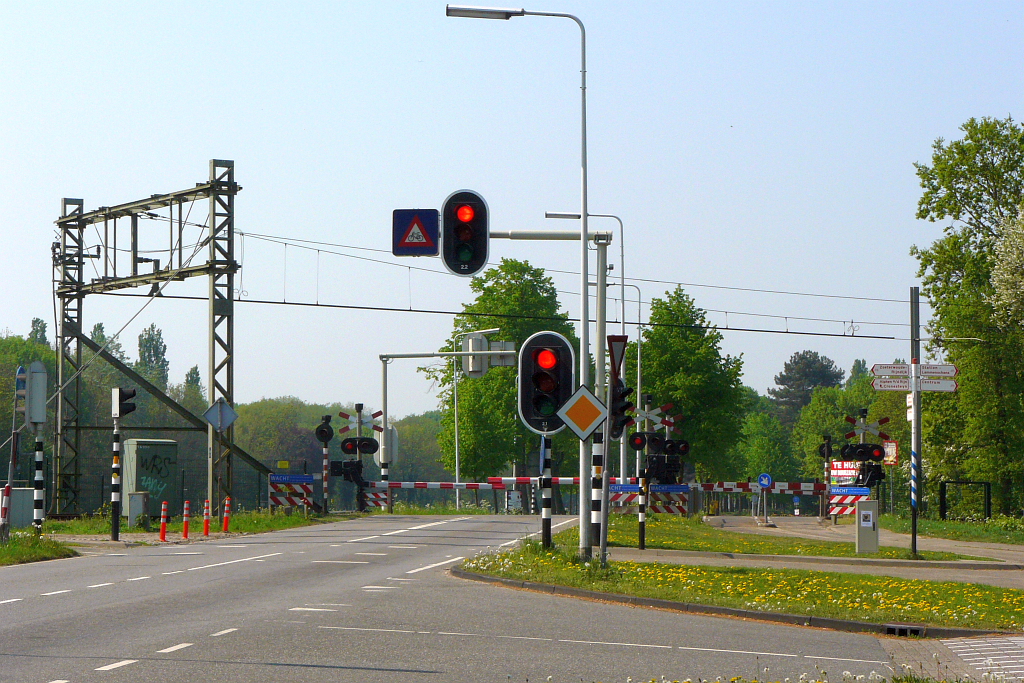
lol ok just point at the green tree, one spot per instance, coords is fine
(152, 362)
(519, 300)
(804, 372)
(683, 364)
(764, 448)
(859, 369)
(825, 414)
(977, 431)
(38, 333)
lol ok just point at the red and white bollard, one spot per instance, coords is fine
(6, 504)
(206, 518)
(227, 513)
(163, 522)
(184, 526)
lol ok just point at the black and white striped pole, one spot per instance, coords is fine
(545, 492)
(120, 405)
(642, 514)
(595, 489)
(38, 494)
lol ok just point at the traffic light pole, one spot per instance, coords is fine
(545, 492)
(115, 483)
(915, 425)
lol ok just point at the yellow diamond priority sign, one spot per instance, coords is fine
(582, 413)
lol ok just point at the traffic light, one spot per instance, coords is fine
(363, 445)
(546, 381)
(863, 452)
(120, 402)
(637, 441)
(324, 432)
(870, 474)
(465, 234)
(663, 469)
(349, 470)
(620, 405)
(825, 449)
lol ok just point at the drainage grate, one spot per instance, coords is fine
(904, 630)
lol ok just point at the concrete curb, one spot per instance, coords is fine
(814, 559)
(693, 608)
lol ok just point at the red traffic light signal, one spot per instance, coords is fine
(465, 235)
(637, 441)
(546, 381)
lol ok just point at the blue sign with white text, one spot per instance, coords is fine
(849, 491)
(670, 488)
(623, 488)
(414, 232)
(291, 478)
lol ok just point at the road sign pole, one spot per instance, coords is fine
(915, 426)
(545, 492)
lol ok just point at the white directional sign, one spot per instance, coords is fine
(903, 384)
(903, 370)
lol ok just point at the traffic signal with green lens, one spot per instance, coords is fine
(465, 235)
(546, 381)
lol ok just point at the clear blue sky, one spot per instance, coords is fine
(747, 146)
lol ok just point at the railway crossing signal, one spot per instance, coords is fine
(656, 444)
(465, 235)
(362, 445)
(324, 432)
(825, 449)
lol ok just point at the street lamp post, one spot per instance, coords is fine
(455, 404)
(488, 13)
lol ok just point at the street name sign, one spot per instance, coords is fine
(903, 370)
(903, 384)
(414, 232)
(582, 413)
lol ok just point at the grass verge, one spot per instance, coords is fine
(999, 529)
(856, 597)
(25, 547)
(674, 532)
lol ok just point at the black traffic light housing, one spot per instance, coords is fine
(324, 432)
(825, 449)
(362, 445)
(465, 235)
(870, 474)
(620, 405)
(656, 444)
(120, 402)
(547, 379)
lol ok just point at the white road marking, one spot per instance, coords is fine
(598, 642)
(395, 578)
(737, 652)
(117, 555)
(298, 552)
(138, 578)
(356, 540)
(190, 553)
(55, 592)
(376, 554)
(4, 602)
(436, 564)
(404, 547)
(450, 633)
(424, 526)
(221, 564)
(116, 665)
(526, 638)
(341, 562)
(100, 585)
(373, 630)
(180, 571)
(382, 587)
(328, 604)
(392, 533)
(834, 659)
(173, 648)
(223, 633)
(312, 609)
(60, 681)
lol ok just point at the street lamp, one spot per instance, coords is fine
(491, 13)
(455, 403)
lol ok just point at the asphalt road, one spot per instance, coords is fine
(367, 600)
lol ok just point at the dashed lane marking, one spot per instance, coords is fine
(382, 587)
(116, 665)
(843, 659)
(223, 633)
(397, 531)
(100, 585)
(424, 526)
(232, 546)
(180, 571)
(174, 648)
(404, 547)
(341, 562)
(372, 630)
(395, 578)
(55, 592)
(138, 578)
(374, 554)
(312, 609)
(221, 564)
(60, 681)
(356, 540)
(734, 652)
(4, 602)
(436, 564)
(599, 642)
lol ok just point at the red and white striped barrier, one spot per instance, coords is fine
(624, 498)
(433, 485)
(376, 499)
(844, 505)
(163, 522)
(555, 481)
(292, 495)
(672, 503)
(670, 509)
(797, 488)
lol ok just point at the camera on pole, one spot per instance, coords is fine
(465, 235)
(546, 381)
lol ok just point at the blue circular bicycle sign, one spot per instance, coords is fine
(764, 480)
